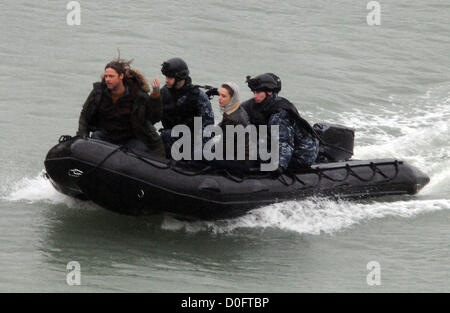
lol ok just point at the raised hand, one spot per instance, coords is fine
(155, 85)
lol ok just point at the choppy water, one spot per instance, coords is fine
(390, 82)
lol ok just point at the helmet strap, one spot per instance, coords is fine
(177, 82)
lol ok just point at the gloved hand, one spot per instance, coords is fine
(155, 90)
(212, 92)
(155, 87)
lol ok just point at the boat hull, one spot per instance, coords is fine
(133, 184)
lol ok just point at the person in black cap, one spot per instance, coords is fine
(298, 144)
(120, 110)
(182, 101)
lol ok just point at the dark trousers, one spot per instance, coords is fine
(132, 143)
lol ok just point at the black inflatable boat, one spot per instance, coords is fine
(131, 183)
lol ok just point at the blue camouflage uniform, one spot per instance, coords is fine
(297, 147)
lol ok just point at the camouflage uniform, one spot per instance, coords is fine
(298, 148)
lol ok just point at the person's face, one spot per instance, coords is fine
(224, 97)
(170, 82)
(112, 79)
(259, 96)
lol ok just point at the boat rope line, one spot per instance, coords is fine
(350, 171)
(372, 167)
(299, 180)
(180, 171)
(387, 177)
(281, 178)
(147, 161)
(120, 148)
(232, 177)
(320, 172)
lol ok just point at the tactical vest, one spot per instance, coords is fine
(260, 113)
(179, 106)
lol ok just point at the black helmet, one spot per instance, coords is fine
(264, 82)
(175, 68)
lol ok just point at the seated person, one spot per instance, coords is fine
(233, 115)
(119, 110)
(298, 144)
(182, 102)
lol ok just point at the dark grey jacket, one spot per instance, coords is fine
(238, 117)
(145, 111)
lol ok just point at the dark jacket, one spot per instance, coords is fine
(238, 117)
(298, 144)
(180, 106)
(144, 111)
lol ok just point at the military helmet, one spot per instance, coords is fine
(264, 82)
(175, 68)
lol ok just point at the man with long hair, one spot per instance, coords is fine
(120, 110)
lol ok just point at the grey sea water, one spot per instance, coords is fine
(390, 82)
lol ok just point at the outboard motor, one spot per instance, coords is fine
(336, 142)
